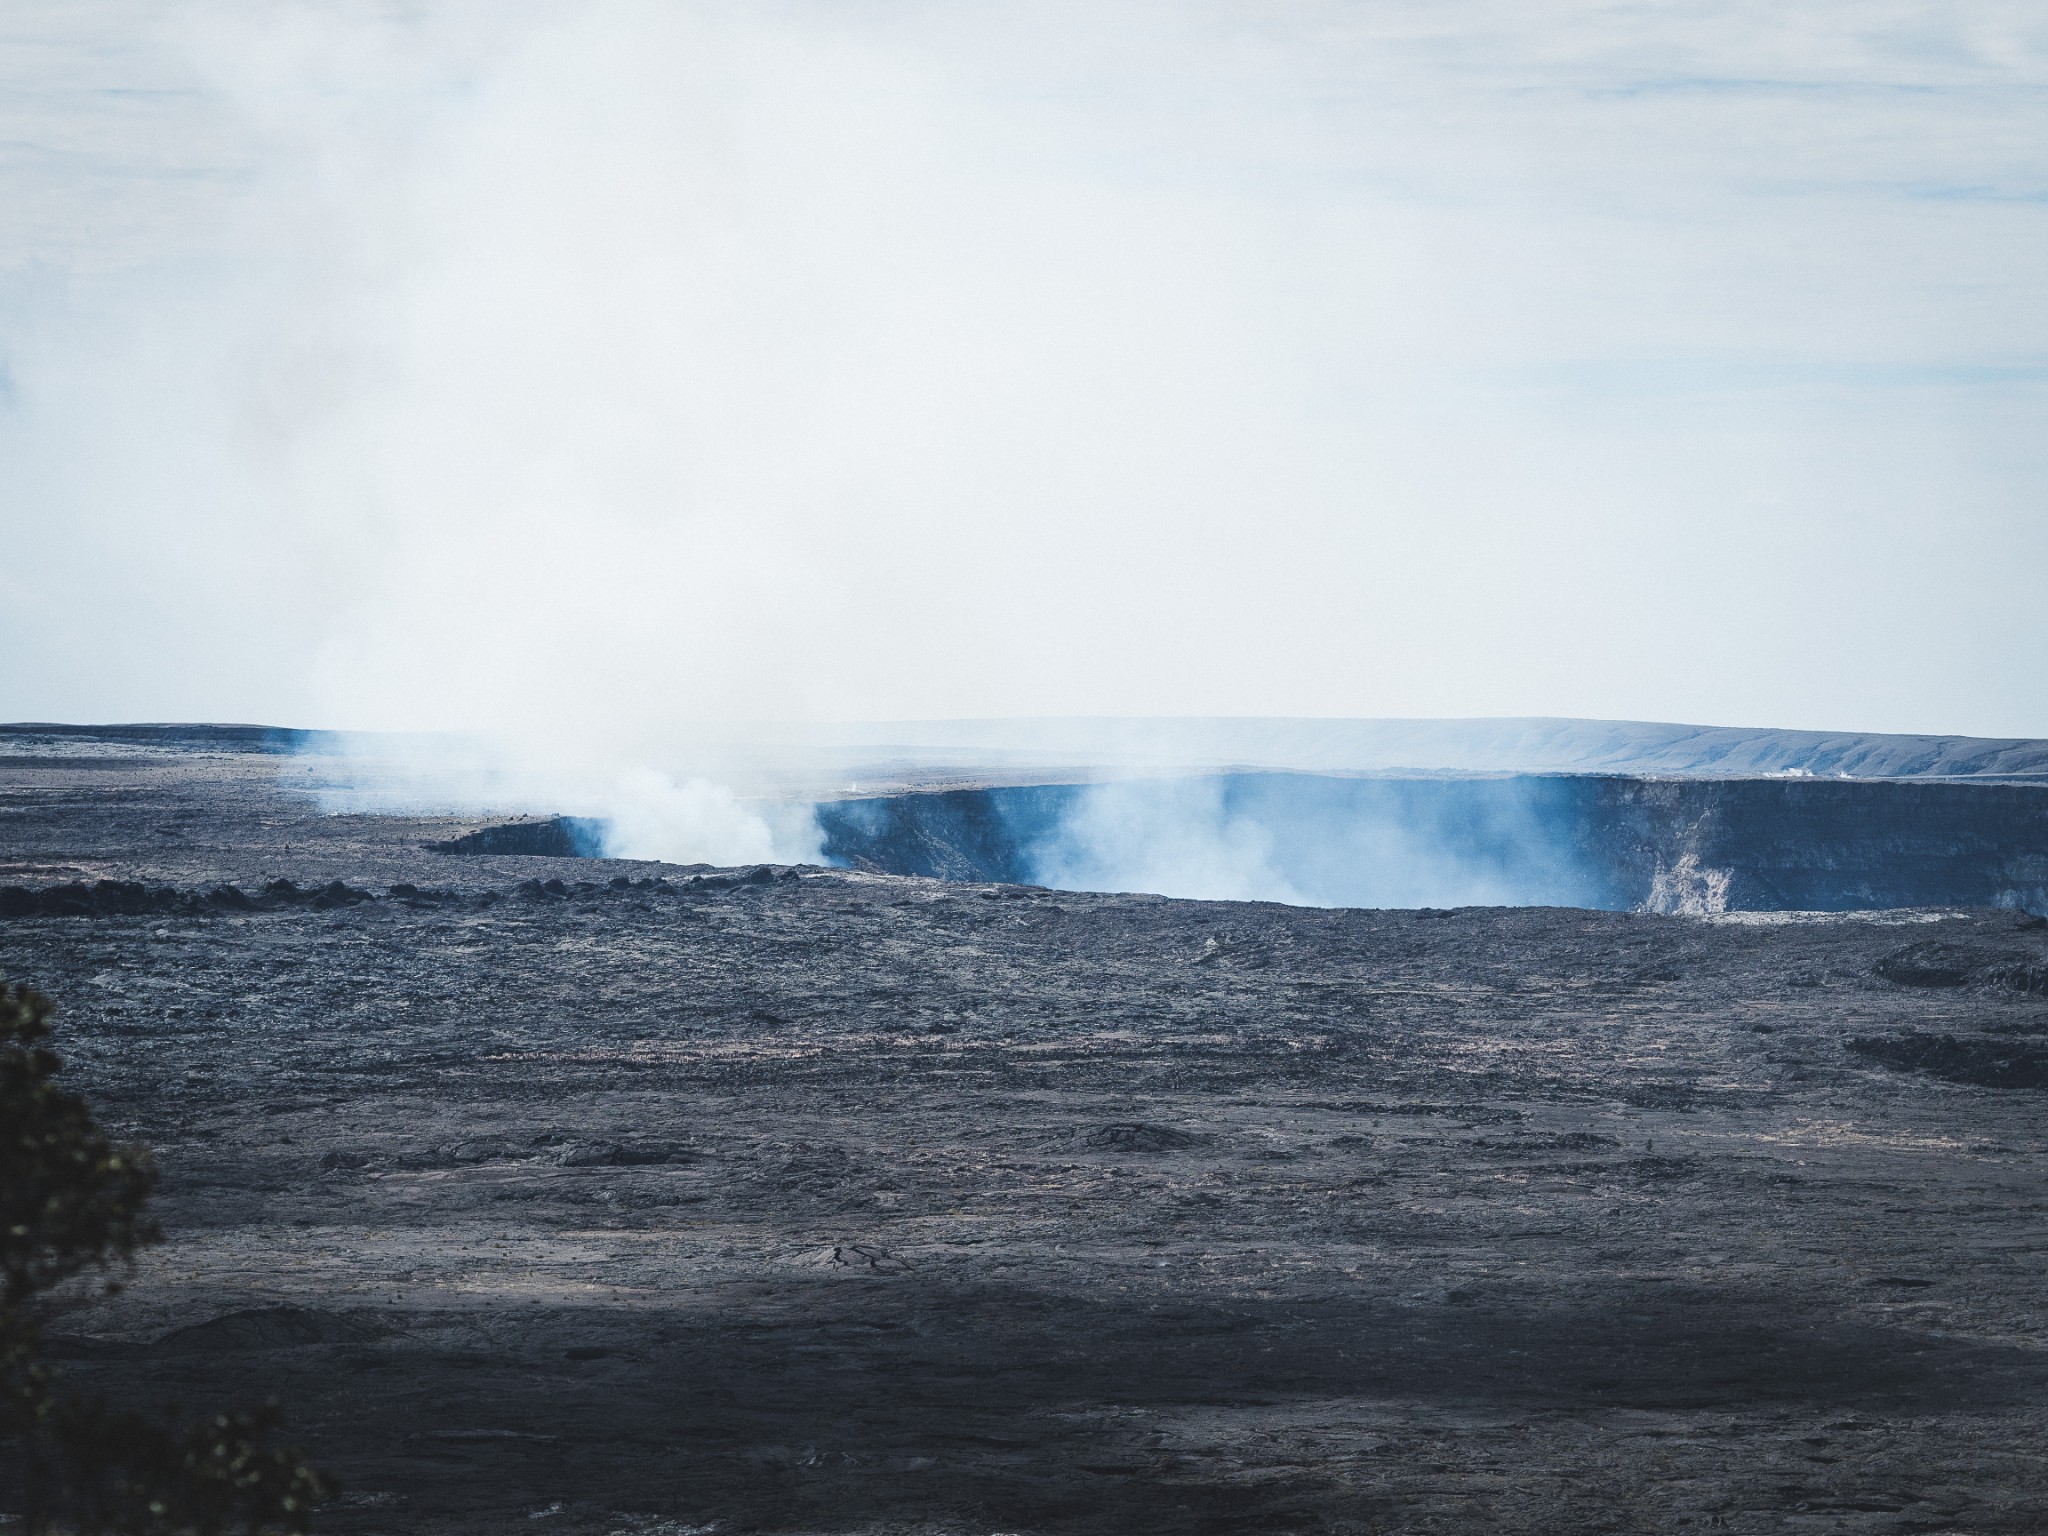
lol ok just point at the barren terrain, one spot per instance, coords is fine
(815, 1201)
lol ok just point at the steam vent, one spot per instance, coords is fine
(1592, 1128)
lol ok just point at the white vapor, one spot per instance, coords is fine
(639, 812)
(650, 815)
(1170, 837)
(582, 372)
(1309, 840)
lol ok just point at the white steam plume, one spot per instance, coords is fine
(1312, 840)
(583, 370)
(644, 813)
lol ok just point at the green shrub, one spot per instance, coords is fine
(72, 1203)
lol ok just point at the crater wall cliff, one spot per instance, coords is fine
(1671, 845)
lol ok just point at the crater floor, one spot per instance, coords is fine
(835, 1203)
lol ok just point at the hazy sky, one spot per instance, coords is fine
(590, 365)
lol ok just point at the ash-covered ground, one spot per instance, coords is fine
(821, 1202)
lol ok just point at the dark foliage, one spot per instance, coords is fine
(72, 1202)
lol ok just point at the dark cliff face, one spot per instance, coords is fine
(1669, 845)
(1820, 845)
(550, 837)
(955, 834)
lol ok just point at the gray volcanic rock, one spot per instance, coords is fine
(1940, 963)
(269, 1328)
(613, 1154)
(981, 1208)
(1989, 1062)
(1139, 1138)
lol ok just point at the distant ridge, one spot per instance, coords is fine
(997, 748)
(177, 735)
(1533, 745)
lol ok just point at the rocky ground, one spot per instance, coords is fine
(806, 1201)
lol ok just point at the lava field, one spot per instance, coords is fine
(572, 1196)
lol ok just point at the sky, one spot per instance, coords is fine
(592, 369)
